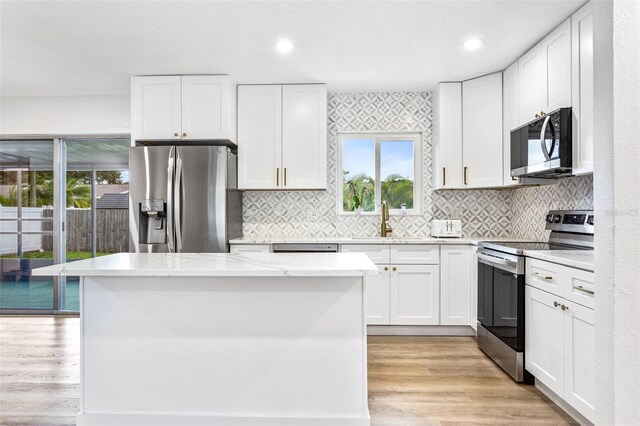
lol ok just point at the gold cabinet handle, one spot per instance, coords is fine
(541, 113)
(564, 308)
(581, 288)
(277, 176)
(184, 135)
(175, 135)
(555, 304)
(465, 175)
(285, 176)
(537, 115)
(546, 278)
(386, 268)
(394, 269)
(444, 176)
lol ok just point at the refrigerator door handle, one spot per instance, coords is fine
(170, 213)
(177, 199)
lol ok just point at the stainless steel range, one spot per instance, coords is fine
(501, 282)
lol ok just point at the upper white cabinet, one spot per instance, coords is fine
(582, 89)
(448, 173)
(482, 132)
(282, 136)
(259, 136)
(180, 107)
(510, 118)
(556, 68)
(545, 75)
(304, 136)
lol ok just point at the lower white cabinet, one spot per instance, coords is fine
(455, 269)
(415, 294)
(377, 291)
(560, 348)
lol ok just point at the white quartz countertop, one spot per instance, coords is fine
(582, 259)
(218, 265)
(355, 240)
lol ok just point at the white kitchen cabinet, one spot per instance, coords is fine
(455, 272)
(304, 136)
(582, 89)
(156, 107)
(556, 68)
(510, 118)
(259, 136)
(378, 253)
(415, 295)
(448, 164)
(249, 248)
(282, 136)
(545, 75)
(180, 107)
(414, 254)
(544, 338)
(377, 293)
(482, 132)
(530, 78)
(560, 347)
(205, 107)
(579, 359)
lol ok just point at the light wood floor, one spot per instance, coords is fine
(412, 380)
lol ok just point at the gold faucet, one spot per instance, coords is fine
(385, 229)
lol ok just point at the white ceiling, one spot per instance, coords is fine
(57, 48)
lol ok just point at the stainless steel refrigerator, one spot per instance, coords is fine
(183, 199)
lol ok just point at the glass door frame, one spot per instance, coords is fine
(59, 217)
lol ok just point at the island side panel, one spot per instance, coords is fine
(256, 347)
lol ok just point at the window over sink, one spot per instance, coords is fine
(379, 167)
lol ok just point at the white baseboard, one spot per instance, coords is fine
(420, 330)
(562, 404)
(160, 419)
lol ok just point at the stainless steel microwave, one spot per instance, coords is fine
(542, 148)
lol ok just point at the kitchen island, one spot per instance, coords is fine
(206, 339)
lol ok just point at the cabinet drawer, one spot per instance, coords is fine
(377, 253)
(250, 248)
(572, 284)
(581, 287)
(544, 275)
(416, 254)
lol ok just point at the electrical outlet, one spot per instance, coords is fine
(312, 215)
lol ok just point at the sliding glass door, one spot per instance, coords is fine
(60, 200)
(26, 224)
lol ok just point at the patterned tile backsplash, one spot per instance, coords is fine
(487, 213)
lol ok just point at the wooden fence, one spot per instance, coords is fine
(112, 229)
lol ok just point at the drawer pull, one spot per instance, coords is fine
(386, 268)
(564, 308)
(581, 288)
(556, 304)
(394, 269)
(546, 278)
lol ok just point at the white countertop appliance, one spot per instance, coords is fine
(446, 228)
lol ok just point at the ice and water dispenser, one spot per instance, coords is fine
(153, 222)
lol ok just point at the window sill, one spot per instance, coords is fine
(377, 214)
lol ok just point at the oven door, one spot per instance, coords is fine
(501, 299)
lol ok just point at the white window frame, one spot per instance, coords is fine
(379, 137)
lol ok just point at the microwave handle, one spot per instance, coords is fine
(543, 145)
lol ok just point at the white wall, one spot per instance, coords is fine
(617, 206)
(65, 115)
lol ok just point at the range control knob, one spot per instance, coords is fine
(590, 220)
(557, 218)
(549, 218)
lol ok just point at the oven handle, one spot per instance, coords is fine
(510, 265)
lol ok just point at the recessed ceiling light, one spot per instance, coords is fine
(473, 44)
(283, 46)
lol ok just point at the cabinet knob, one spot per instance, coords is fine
(541, 113)
(386, 268)
(556, 304)
(564, 308)
(175, 135)
(184, 135)
(537, 115)
(394, 269)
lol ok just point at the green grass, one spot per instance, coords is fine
(49, 255)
